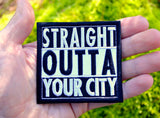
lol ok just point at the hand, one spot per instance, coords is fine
(18, 67)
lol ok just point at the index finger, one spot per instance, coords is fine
(133, 25)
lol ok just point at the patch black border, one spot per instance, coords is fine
(119, 97)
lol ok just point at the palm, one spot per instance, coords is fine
(18, 67)
(18, 97)
(17, 75)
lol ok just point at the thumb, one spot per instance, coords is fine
(20, 25)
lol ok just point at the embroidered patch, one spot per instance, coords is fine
(79, 62)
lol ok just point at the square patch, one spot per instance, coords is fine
(79, 62)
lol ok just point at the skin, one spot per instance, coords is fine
(18, 67)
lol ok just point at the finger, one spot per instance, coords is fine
(142, 65)
(133, 25)
(131, 88)
(137, 85)
(141, 42)
(20, 25)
